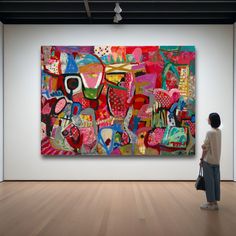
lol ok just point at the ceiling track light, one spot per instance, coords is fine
(117, 8)
(117, 16)
(115, 19)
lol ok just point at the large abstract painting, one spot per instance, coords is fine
(118, 100)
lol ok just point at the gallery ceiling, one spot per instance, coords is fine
(133, 11)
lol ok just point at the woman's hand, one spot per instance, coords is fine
(201, 162)
(204, 148)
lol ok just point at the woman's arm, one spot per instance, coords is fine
(205, 148)
(204, 152)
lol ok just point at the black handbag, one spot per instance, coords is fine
(200, 182)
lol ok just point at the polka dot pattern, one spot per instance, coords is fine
(117, 99)
(102, 50)
(163, 98)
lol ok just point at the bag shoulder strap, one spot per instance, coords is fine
(200, 171)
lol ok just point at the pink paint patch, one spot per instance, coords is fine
(88, 135)
(60, 105)
(47, 149)
(137, 54)
(175, 95)
(90, 81)
(156, 136)
(116, 152)
(46, 109)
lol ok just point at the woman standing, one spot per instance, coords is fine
(210, 160)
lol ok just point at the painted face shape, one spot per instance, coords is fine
(73, 84)
(92, 75)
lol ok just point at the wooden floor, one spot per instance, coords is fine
(113, 209)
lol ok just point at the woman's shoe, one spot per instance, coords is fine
(211, 207)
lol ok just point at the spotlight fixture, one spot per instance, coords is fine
(117, 8)
(117, 16)
(115, 19)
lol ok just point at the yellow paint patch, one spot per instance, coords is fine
(114, 78)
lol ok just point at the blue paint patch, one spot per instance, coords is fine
(115, 128)
(71, 65)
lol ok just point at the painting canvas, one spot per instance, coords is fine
(118, 100)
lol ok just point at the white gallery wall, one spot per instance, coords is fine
(214, 89)
(1, 101)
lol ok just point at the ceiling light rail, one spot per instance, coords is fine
(121, 1)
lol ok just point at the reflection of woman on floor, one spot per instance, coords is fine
(210, 161)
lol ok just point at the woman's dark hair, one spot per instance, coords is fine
(214, 120)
